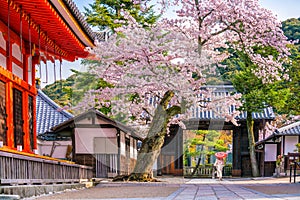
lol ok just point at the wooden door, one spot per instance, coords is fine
(246, 166)
(167, 164)
(2, 113)
(31, 121)
(18, 118)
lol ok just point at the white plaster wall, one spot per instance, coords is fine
(30, 70)
(290, 142)
(131, 148)
(84, 138)
(3, 46)
(105, 145)
(44, 148)
(2, 61)
(270, 152)
(2, 41)
(122, 144)
(135, 150)
(18, 71)
(16, 52)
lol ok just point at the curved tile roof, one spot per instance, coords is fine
(83, 23)
(223, 91)
(78, 16)
(291, 129)
(48, 113)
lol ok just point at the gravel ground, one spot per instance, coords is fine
(276, 189)
(115, 192)
(169, 185)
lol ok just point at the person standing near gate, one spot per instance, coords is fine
(219, 164)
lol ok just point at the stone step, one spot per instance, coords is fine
(9, 197)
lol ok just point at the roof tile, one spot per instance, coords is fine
(48, 113)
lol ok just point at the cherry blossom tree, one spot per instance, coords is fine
(166, 63)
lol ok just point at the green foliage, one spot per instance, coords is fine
(291, 29)
(59, 91)
(104, 13)
(70, 92)
(209, 141)
(283, 95)
(256, 95)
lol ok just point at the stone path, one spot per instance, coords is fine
(189, 189)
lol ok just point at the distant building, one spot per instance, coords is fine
(170, 160)
(98, 141)
(282, 142)
(49, 114)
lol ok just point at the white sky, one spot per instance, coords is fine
(283, 9)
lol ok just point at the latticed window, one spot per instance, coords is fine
(18, 118)
(3, 127)
(30, 120)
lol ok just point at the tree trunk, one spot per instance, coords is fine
(250, 127)
(152, 144)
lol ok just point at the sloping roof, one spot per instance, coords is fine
(115, 123)
(288, 130)
(48, 113)
(224, 91)
(82, 22)
(291, 129)
(78, 16)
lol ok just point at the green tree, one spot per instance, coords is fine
(291, 29)
(104, 14)
(256, 95)
(282, 95)
(57, 91)
(70, 92)
(209, 142)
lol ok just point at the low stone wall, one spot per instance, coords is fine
(36, 190)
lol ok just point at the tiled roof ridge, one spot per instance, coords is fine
(53, 104)
(123, 127)
(77, 14)
(287, 127)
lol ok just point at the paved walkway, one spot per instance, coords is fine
(189, 189)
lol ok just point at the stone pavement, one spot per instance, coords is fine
(174, 188)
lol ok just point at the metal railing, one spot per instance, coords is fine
(21, 169)
(293, 171)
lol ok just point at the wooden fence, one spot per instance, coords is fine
(206, 171)
(21, 169)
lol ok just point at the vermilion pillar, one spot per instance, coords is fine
(10, 115)
(34, 122)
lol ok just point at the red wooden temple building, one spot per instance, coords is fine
(32, 32)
